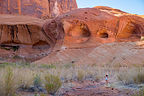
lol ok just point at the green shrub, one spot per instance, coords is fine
(37, 80)
(52, 83)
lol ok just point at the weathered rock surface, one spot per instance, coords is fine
(115, 12)
(38, 8)
(116, 54)
(24, 37)
(87, 28)
(141, 16)
(20, 29)
(68, 37)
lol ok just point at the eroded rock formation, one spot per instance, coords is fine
(90, 26)
(85, 29)
(69, 36)
(38, 8)
(24, 36)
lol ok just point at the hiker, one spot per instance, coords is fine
(106, 79)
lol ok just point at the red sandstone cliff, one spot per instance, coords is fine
(38, 8)
(23, 36)
(86, 29)
(90, 26)
(82, 29)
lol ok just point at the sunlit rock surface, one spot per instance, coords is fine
(86, 29)
(68, 37)
(38, 8)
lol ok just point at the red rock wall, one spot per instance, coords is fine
(91, 26)
(38, 8)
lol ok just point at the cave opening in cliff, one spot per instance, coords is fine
(86, 33)
(41, 45)
(104, 35)
(80, 31)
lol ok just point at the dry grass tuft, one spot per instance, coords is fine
(131, 76)
(50, 77)
(80, 75)
(7, 85)
(52, 83)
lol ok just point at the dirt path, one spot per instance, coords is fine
(86, 88)
(89, 88)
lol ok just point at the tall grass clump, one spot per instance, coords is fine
(2, 82)
(24, 77)
(8, 87)
(52, 83)
(131, 76)
(80, 75)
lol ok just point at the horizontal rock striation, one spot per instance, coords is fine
(24, 36)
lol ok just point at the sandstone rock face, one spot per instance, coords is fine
(69, 36)
(24, 36)
(90, 26)
(38, 8)
(141, 16)
(85, 29)
(20, 30)
(112, 11)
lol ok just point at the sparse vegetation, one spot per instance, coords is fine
(50, 78)
(139, 93)
(80, 75)
(51, 66)
(52, 83)
(37, 80)
(9, 47)
(7, 85)
(131, 76)
(69, 65)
